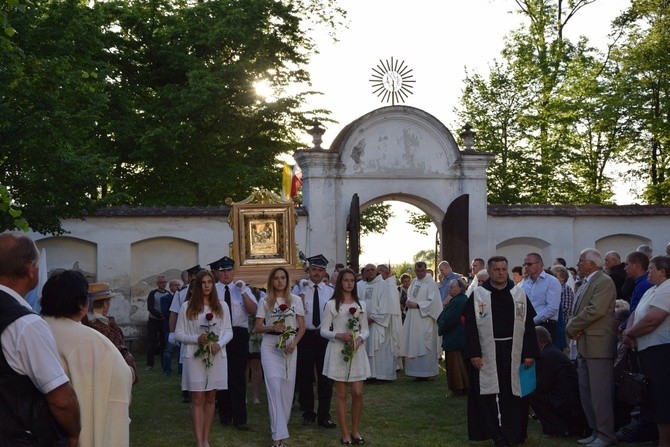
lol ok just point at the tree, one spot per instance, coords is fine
(546, 112)
(374, 218)
(642, 59)
(52, 95)
(151, 102)
(427, 256)
(10, 217)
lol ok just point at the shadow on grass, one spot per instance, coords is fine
(399, 413)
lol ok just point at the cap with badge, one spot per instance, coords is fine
(100, 291)
(194, 270)
(224, 263)
(317, 261)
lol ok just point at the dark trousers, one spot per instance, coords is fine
(550, 325)
(559, 419)
(311, 353)
(232, 402)
(154, 340)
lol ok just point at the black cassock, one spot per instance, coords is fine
(483, 422)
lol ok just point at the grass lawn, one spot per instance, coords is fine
(400, 413)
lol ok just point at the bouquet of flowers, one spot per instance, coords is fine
(280, 314)
(354, 325)
(205, 349)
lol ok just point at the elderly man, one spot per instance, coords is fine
(155, 333)
(615, 269)
(418, 343)
(499, 339)
(31, 376)
(242, 304)
(592, 325)
(544, 292)
(447, 275)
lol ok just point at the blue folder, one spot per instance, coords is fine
(528, 379)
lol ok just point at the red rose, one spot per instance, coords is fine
(283, 307)
(209, 316)
(352, 310)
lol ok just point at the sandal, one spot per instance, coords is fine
(345, 442)
(357, 440)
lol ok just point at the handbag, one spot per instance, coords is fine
(633, 386)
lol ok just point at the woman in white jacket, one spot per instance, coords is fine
(204, 327)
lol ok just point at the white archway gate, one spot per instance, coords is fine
(396, 153)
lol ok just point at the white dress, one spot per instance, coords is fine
(334, 366)
(279, 369)
(195, 376)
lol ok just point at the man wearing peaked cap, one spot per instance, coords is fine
(312, 347)
(193, 271)
(242, 304)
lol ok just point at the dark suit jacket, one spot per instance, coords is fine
(556, 376)
(594, 315)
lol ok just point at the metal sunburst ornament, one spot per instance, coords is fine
(392, 81)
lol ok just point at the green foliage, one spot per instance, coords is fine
(641, 59)
(405, 267)
(421, 222)
(151, 102)
(374, 218)
(427, 256)
(549, 112)
(10, 215)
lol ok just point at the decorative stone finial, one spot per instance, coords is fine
(317, 132)
(468, 137)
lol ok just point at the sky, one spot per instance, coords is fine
(438, 40)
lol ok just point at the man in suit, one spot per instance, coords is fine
(592, 325)
(312, 347)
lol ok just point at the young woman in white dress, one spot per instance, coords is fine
(346, 322)
(278, 312)
(201, 314)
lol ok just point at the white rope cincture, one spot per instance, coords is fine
(499, 415)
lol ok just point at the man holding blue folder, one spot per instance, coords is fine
(499, 342)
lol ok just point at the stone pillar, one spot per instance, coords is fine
(320, 198)
(473, 182)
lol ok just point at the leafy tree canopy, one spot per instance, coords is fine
(150, 102)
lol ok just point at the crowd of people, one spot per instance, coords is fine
(304, 337)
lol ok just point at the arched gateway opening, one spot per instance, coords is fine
(399, 153)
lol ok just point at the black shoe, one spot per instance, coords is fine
(327, 423)
(242, 427)
(307, 421)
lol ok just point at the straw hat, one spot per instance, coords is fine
(100, 291)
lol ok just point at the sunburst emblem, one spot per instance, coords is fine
(392, 81)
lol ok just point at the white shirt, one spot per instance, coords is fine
(325, 293)
(179, 299)
(30, 349)
(238, 311)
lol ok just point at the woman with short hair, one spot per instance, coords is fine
(453, 338)
(99, 374)
(648, 329)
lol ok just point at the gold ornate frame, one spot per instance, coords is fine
(263, 231)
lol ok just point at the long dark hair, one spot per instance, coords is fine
(197, 301)
(338, 295)
(271, 298)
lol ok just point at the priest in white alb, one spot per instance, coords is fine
(419, 342)
(374, 291)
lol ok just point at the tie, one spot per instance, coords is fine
(227, 298)
(316, 312)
